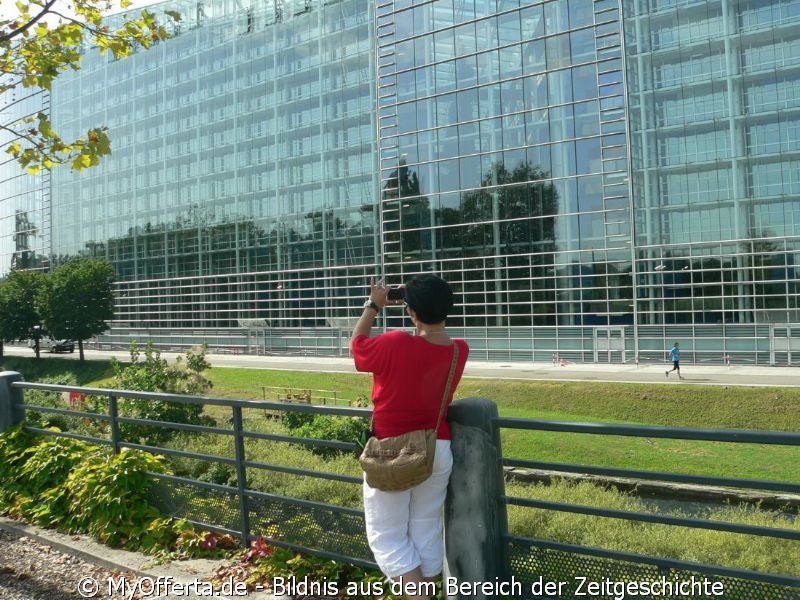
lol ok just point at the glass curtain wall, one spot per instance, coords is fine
(243, 181)
(503, 155)
(24, 198)
(597, 178)
(715, 132)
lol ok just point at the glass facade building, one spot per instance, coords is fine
(24, 199)
(596, 178)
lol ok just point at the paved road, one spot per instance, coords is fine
(737, 375)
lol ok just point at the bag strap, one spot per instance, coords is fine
(446, 395)
(449, 384)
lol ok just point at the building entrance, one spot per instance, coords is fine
(784, 344)
(609, 344)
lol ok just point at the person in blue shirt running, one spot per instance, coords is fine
(676, 361)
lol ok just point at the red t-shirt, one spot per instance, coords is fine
(409, 377)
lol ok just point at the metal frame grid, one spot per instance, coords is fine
(529, 559)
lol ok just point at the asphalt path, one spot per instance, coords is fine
(700, 374)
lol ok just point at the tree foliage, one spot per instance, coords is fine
(19, 305)
(38, 44)
(77, 301)
(148, 372)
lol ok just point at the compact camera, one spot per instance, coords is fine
(396, 293)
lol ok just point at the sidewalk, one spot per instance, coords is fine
(701, 374)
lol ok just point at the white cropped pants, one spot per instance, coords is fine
(405, 529)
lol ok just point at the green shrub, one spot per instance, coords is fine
(149, 372)
(14, 446)
(293, 420)
(325, 427)
(47, 399)
(49, 463)
(109, 496)
(78, 487)
(218, 473)
(82, 488)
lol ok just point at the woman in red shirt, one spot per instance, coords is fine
(404, 529)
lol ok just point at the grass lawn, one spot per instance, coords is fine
(714, 407)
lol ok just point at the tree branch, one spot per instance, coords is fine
(92, 30)
(21, 135)
(16, 133)
(9, 36)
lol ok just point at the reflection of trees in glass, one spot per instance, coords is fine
(727, 289)
(249, 268)
(525, 204)
(772, 269)
(24, 257)
(506, 228)
(511, 221)
(402, 182)
(406, 213)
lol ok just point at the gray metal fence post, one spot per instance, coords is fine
(241, 475)
(11, 401)
(113, 413)
(475, 516)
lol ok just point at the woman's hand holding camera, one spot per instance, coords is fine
(384, 296)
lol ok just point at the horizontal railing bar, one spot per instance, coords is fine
(303, 472)
(67, 434)
(314, 442)
(734, 573)
(181, 453)
(67, 412)
(257, 494)
(178, 426)
(775, 486)
(349, 411)
(306, 503)
(654, 431)
(217, 487)
(787, 534)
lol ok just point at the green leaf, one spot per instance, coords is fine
(40, 51)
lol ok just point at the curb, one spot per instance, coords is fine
(85, 548)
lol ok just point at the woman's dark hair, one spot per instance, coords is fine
(430, 297)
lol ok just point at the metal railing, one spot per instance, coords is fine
(336, 531)
(319, 527)
(529, 558)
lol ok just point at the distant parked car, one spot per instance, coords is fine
(52, 345)
(63, 346)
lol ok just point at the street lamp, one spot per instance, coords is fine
(659, 268)
(37, 335)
